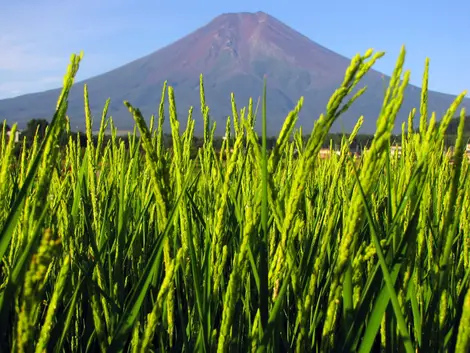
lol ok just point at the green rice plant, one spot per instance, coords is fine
(145, 247)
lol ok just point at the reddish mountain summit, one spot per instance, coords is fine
(235, 42)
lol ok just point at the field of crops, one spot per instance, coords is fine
(145, 249)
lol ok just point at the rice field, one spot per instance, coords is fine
(144, 249)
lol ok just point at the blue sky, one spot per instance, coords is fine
(37, 37)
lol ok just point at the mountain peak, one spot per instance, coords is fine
(258, 14)
(234, 52)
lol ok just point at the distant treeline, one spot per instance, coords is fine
(333, 139)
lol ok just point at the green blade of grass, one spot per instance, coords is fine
(139, 292)
(263, 242)
(389, 282)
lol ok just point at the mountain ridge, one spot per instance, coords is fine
(233, 51)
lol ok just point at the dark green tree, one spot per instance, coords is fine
(35, 124)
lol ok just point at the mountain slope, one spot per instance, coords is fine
(233, 52)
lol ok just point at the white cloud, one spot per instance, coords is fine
(19, 53)
(37, 39)
(13, 88)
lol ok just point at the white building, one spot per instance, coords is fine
(16, 137)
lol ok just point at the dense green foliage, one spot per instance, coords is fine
(144, 248)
